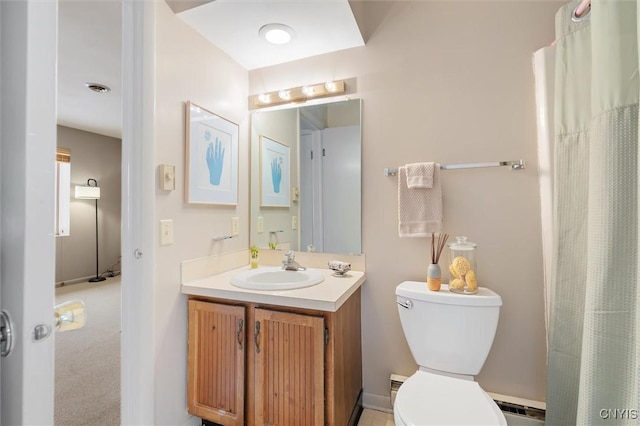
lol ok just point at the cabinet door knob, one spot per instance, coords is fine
(257, 337)
(239, 334)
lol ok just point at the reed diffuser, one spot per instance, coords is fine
(434, 275)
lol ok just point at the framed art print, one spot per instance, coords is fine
(211, 158)
(274, 173)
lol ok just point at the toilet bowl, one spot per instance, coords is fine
(450, 336)
(426, 399)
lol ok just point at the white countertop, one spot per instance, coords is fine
(328, 296)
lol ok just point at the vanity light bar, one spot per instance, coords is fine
(297, 94)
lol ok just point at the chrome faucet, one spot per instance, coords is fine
(289, 264)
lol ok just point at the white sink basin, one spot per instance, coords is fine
(276, 279)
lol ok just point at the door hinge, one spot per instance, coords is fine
(326, 336)
(324, 152)
(312, 154)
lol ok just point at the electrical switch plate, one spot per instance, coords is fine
(260, 225)
(235, 226)
(166, 232)
(168, 177)
(294, 222)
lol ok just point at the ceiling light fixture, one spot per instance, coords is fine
(297, 94)
(98, 88)
(277, 33)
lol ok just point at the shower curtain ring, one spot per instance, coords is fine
(585, 14)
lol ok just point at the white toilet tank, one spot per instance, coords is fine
(447, 331)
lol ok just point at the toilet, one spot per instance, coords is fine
(450, 335)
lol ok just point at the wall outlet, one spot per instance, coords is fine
(166, 232)
(294, 222)
(260, 225)
(235, 226)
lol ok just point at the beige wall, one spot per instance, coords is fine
(449, 82)
(189, 68)
(97, 157)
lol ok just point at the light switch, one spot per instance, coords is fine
(260, 225)
(166, 232)
(235, 226)
(168, 177)
(294, 222)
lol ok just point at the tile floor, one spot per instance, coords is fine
(375, 418)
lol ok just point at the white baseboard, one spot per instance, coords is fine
(377, 402)
(74, 281)
(193, 421)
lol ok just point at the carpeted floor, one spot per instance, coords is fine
(88, 359)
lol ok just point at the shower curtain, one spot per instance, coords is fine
(594, 334)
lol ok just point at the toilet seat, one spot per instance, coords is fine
(430, 399)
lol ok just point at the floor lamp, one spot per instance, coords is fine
(92, 192)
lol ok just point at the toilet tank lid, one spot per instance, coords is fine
(418, 290)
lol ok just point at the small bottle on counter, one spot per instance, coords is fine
(254, 256)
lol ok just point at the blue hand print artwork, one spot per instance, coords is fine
(276, 173)
(212, 158)
(215, 159)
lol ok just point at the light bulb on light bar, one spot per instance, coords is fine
(285, 95)
(330, 86)
(264, 98)
(307, 90)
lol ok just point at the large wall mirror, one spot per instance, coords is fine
(306, 178)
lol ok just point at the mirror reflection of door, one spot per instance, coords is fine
(341, 189)
(330, 185)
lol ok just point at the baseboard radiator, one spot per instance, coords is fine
(517, 410)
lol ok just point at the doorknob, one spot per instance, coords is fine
(70, 315)
(6, 336)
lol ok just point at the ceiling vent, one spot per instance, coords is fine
(99, 88)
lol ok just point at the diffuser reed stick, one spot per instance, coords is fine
(437, 245)
(434, 276)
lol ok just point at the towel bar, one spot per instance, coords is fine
(515, 165)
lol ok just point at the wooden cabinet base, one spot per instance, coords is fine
(300, 367)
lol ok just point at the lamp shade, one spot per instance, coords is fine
(87, 192)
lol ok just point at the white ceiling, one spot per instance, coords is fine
(89, 50)
(89, 39)
(320, 26)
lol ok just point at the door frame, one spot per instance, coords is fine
(138, 213)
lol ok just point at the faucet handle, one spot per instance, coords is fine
(289, 254)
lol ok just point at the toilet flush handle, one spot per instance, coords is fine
(407, 304)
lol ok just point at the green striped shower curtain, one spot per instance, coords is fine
(594, 332)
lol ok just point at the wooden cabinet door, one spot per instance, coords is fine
(216, 362)
(289, 369)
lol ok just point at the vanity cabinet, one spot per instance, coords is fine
(289, 367)
(284, 366)
(216, 362)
